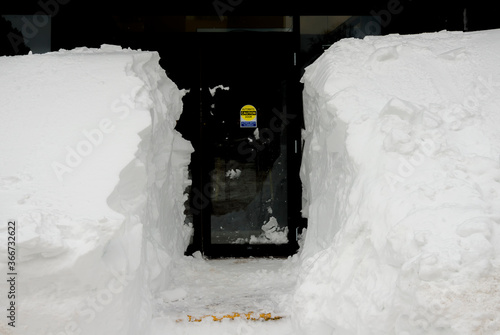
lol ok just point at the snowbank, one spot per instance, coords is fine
(93, 173)
(401, 178)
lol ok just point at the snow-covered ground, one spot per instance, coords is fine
(401, 177)
(246, 295)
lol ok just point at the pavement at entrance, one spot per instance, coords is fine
(222, 290)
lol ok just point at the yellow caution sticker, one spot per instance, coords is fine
(248, 117)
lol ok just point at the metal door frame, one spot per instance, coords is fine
(293, 110)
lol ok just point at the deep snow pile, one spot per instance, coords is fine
(93, 173)
(401, 176)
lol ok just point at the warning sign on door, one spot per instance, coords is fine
(248, 117)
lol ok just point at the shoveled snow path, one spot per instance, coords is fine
(224, 287)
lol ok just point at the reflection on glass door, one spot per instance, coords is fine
(244, 80)
(249, 194)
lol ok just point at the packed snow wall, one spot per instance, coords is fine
(92, 176)
(401, 177)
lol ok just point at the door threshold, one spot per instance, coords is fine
(249, 251)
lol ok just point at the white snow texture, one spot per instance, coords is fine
(401, 178)
(94, 173)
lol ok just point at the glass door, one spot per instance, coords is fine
(245, 80)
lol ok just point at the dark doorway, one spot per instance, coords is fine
(248, 152)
